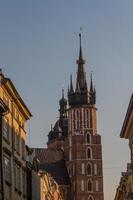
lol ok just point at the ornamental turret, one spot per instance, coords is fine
(81, 95)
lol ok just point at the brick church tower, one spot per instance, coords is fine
(83, 145)
(75, 132)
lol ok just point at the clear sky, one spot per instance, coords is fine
(39, 45)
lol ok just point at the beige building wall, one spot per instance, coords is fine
(36, 186)
(44, 187)
(13, 142)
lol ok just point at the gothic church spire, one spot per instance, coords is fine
(81, 77)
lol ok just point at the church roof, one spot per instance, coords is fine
(52, 161)
(58, 171)
(45, 155)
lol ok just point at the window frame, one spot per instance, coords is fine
(91, 185)
(90, 168)
(7, 168)
(90, 153)
(5, 128)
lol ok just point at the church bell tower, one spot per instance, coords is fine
(83, 147)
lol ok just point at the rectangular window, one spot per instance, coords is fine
(14, 139)
(17, 142)
(70, 141)
(70, 154)
(7, 169)
(23, 149)
(82, 185)
(83, 168)
(6, 128)
(6, 99)
(17, 176)
(16, 114)
(97, 186)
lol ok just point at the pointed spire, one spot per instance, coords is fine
(80, 60)
(62, 93)
(91, 84)
(81, 78)
(71, 84)
(80, 50)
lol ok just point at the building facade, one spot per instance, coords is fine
(127, 133)
(13, 137)
(76, 134)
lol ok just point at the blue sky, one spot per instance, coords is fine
(39, 46)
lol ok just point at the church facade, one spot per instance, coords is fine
(75, 134)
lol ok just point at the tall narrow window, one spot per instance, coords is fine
(89, 153)
(95, 169)
(83, 168)
(23, 149)
(6, 128)
(88, 138)
(97, 186)
(17, 142)
(88, 118)
(6, 99)
(78, 119)
(82, 185)
(89, 169)
(7, 169)
(89, 185)
(84, 118)
(70, 154)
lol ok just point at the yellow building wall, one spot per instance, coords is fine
(14, 136)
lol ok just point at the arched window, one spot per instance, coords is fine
(90, 198)
(89, 153)
(88, 138)
(95, 169)
(89, 169)
(89, 186)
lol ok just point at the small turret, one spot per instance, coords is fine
(92, 92)
(63, 106)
